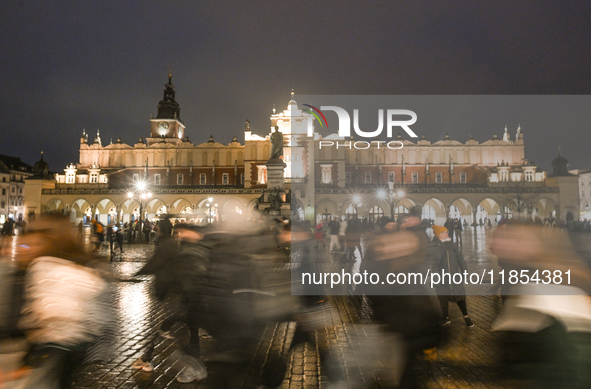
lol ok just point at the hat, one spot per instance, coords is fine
(437, 230)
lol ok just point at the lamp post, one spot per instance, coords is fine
(140, 196)
(210, 206)
(391, 188)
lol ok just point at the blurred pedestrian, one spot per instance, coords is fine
(333, 231)
(68, 308)
(450, 261)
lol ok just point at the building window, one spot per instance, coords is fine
(529, 176)
(242, 178)
(415, 178)
(463, 177)
(391, 176)
(504, 176)
(438, 177)
(348, 177)
(93, 178)
(179, 179)
(326, 174)
(69, 178)
(368, 177)
(156, 179)
(20, 190)
(225, 178)
(136, 178)
(262, 174)
(12, 190)
(3, 192)
(3, 204)
(202, 179)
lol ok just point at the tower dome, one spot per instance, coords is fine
(41, 168)
(168, 108)
(559, 166)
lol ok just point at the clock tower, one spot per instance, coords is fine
(167, 126)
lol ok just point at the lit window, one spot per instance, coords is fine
(504, 176)
(156, 179)
(463, 177)
(225, 178)
(93, 178)
(203, 179)
(69, 178)
(367, 177)
(326, 174)
(438, 177)
(529, 176)
(348, 177)
(391, 176)
(262, 174)
(179, 179)
(415, 178)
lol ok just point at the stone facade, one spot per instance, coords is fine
(325, 176)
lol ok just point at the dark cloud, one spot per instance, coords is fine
(73, 65)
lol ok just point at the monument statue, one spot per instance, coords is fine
(276, 144)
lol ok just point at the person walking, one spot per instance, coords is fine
(333, 231)
(458, 231)
(450, 261)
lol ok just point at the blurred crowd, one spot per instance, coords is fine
(229, 281)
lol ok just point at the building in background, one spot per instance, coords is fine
(13, 173)
(469, 180)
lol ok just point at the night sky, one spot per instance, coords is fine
(102, 65)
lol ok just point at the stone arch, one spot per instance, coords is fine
(434, 209)
(266, 152)
(325, 208)
(179, 205)
(240, 158)
(104, 209)
(231, 208)
(463, 208)
(402, 206)
(544, 207)
(488, 208)
(228, 158)
(55, 205)
(80, 206)
(253, 152)
(204, 158)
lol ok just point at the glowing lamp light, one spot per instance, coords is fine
(129, 194)
(210, 200)
(381, 193)
(400, 193)
(141, 185)
(357, 199)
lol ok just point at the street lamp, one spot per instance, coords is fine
(391, 187)
(140, 197)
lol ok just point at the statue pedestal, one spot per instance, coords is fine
(275, 168)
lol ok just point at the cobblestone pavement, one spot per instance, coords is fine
(468, 359)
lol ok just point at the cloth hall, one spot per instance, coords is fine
(165, 173)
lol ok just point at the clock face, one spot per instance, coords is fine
(163, 126)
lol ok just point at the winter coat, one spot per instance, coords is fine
(450, 260)
(64, 303)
